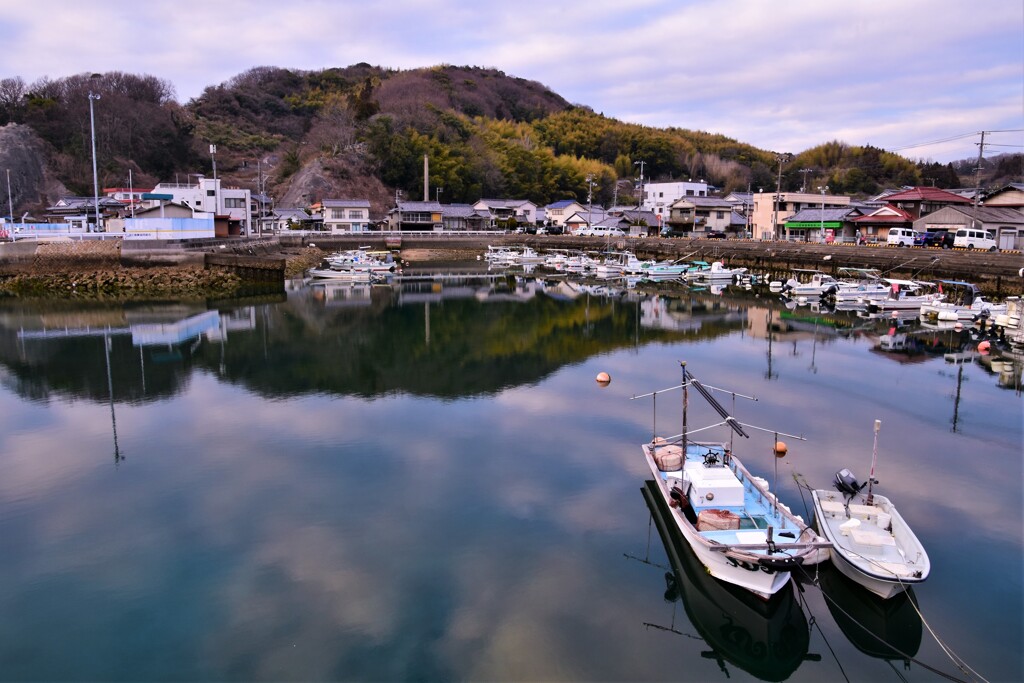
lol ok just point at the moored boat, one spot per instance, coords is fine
(871, 542)
(739, 531)
(963, 301)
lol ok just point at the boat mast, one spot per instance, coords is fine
(874, 459)
(686, 400)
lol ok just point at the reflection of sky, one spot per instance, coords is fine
(326, 538)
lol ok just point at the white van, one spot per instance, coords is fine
(972, 238)
(901, 237)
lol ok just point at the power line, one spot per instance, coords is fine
(956, 137)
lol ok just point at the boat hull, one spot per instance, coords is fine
(762, 573)
(886, 558)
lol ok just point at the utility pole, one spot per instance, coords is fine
(10, 202)
(95, 177)
(977, 180)
(803, 185)
(778, 193)
(640, 200)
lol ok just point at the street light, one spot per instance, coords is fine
(92, 130)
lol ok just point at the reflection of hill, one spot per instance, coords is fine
(446, 342)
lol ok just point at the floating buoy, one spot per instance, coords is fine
(983, 347)
(959, 326)
(604, 379)
(781, 449)
(895, 314)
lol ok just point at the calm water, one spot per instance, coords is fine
(426, 483)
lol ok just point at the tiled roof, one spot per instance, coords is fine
(346, 203)
(560, 204)
(811, 214)
(420, 206)
(927, 194)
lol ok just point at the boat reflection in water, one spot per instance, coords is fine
(767, 639)
(884, 629)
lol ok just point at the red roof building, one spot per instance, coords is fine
(921, 201)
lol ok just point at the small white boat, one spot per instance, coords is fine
(808, 282)
(857, 285)
(963, 301)
(904, 295)
(738, 530)
(341, 274)
(871, 542)
(719, 271)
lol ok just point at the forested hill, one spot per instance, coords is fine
(362, 131)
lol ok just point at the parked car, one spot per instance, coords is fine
(716, 235)
(939, 238)
(901, 237)
(975, 239)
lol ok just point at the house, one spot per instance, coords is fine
(769, 216)
(1007, 224)
(633, 222)
(659, 197)
(584, 219)
(346, 215)
(874, 226)
(699, 215)
(462, 217)
(1009, 196)
(416, 216)
(921, 201)
(282, 220)
(557, 212)
(814, 224)
(510, 212)
(232, 206)
(80, 212)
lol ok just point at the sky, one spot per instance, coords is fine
(920, 78)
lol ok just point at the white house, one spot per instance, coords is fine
(233, 205)
(558, 212)
(659, 197)
(346, 215)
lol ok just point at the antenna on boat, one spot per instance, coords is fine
(686, 401)
(874, 459)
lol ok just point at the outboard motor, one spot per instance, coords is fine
(846, 483)
(830, 292)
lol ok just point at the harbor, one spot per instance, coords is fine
(357, 480)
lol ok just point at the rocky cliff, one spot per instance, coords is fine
(23, 161)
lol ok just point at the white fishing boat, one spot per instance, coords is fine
(622, 262)
(808, 283)
(904, 295)
(719, 271)
(857, 285)
(362, 259)
(871, 542)
(342, 274)
(963, 301)
(736, 527)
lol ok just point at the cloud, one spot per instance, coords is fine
(779, 76)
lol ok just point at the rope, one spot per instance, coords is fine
(956, 659)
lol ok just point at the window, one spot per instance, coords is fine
(234, 203)
(355, 213)
(721, 215)
(209, 193)
(689, 193)
(337, 214)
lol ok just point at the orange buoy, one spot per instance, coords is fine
(983, 347)
(603, 378)
(781, 449)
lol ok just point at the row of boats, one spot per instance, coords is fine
(356, 265)
(942, 301)
(612, 264)
(743, 535)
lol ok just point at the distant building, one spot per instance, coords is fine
(462, 217)
(232, 207)
(558, 212)
(346, 215)
(1007, 224)
(921, 201)
(522, 211)
(416, 216)
(768, 218)
(659, 197)
(699, 215)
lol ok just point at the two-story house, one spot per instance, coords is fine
(556, 213)
(508, 211)
(346, 215)
(232, 206)
(699, 215)
(416, 216)
(771, 211)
